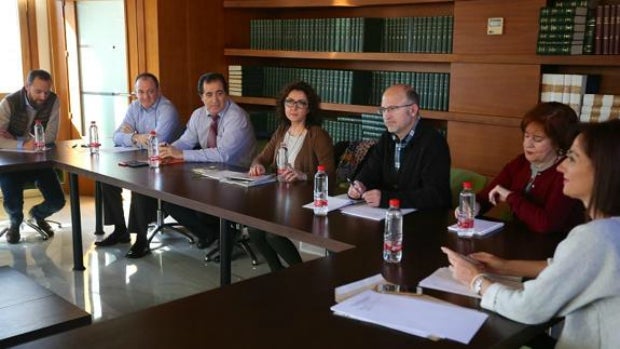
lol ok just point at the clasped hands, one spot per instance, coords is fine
(357, 190)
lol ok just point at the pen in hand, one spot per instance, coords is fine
(354, 186)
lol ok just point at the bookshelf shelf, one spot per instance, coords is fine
(343, 56)
(322, 3)
(366, 109)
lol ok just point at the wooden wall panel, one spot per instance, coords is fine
(191, 42)
(484, 149)
(520, 26)
(494, 89)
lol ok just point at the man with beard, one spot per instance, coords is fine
(18, 112)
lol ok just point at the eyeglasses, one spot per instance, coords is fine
(383, 110)
(300, 104)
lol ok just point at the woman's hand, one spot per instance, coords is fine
(464, 269)
(292, 175)
(490, 263)
(498, 194)
(257, 170)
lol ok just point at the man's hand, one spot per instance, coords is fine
(168, 151)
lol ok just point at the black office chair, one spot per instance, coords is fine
(241, 240)
(159, 226)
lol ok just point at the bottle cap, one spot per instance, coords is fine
(37, 121)
(394, 203)
(92, 122)
(320, 168)
(152, 133)
(467, 185)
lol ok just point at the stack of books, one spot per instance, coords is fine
(598, 107)
(372, 126)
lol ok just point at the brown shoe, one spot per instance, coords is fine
(12, 235)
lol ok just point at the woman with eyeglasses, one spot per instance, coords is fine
(308, 146)
(580, 282)
(530, 184)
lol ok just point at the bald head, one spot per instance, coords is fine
(400, 109)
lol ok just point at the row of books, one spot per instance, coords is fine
(599, 107)
(607, 30)
(433, 88)
(569, 89)
(418, 34)
(562, 31)
(573, 30)
(354, 34)
(344, 128)
(339, 86)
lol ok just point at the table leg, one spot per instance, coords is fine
(98, 210)
(76, 222)
(226, 241)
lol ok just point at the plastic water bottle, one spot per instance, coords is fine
(153, 150)
(282, 160)
(93, 138)
(320, 191)
(467, 211)
(393, 234)
(39, 136)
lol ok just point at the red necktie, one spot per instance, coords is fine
(212, 136)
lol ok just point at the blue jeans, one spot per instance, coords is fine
(46, 180)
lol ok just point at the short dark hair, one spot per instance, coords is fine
(557, 120)
(601, 143)
(38, 73)
(314, 103)
(210, 77)
(147, 75)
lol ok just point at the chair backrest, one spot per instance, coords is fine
(458, 176)
(352, 159)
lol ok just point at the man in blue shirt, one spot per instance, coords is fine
(18, 111)
(151, 111)
(220, 131)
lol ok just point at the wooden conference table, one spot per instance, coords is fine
(290, 307)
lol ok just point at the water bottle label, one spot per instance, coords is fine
(466, 223)
(320, 203)
(392, 246)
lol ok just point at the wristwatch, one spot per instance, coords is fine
(476, 285)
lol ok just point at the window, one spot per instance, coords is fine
(11, 63)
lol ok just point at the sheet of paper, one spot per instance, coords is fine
(351, 289)
(374, 213)
(334, 202)
(13, 150)
(482, 227)
(413, 315)
(442, 280)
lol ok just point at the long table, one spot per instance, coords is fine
(290, 307)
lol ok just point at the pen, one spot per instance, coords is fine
(354, 186)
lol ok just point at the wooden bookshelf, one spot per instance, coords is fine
(343, 56)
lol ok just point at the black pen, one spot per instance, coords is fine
(354, 186)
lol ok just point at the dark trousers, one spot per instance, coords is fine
(270, 246)
(142, 211)
(12, 185)
(203, 225)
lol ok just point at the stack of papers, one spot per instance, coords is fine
(374, 213)
(482, 227)
(356, 207)
(237, 178)
(413, 315)
(442, 280)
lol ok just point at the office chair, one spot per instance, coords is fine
(241, 240)
(159, 226)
